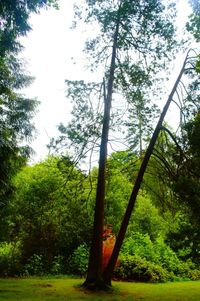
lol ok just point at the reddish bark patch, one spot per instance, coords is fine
(109, 239)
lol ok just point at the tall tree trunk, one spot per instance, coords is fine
(94, 274)
(108, 272)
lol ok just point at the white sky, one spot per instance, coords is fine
(49, 48)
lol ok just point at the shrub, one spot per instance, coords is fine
(78, 262)
(156, 252)
(10, 259)
(57, 265)
(145, 260)
(139, 269)
(165, 256)
(139, 244)
(194, 274)
(184, 269)
(34, 265)
(187, 270)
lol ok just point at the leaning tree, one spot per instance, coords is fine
(135, 41)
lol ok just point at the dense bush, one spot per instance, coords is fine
(156, 252)
(187, 270)
(78, 262)
(42, 214)
(9, 259)
(146, 218)
(194, 274)
(139, 269)
(34, 266)
(136, 268)
(155, 260)
(57, 265)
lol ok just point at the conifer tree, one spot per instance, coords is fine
(137, 38)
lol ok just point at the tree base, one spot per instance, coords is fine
(97, 284)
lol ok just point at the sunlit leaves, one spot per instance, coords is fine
(49, 197)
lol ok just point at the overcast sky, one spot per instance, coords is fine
(48, 50)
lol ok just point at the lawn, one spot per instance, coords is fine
(52, 289)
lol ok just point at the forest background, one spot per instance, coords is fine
(47, 209)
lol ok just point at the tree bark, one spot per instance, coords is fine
(108, 272)
(94, 278)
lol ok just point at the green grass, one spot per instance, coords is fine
(67, 289)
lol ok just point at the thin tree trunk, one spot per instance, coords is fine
(108, 272)
(94, 274)
(140, 132)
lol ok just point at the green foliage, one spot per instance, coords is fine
(57, 266)
(15, 124)
(43, 213)
(192, 129)
(84, 128)
(145, 38)
(125, 163)
(157, 252)
(149, 17)
(34, 265)
(197, 67)
(43, 221)
(156, 257)
(117, 192)
(136, 268)
(194, 21)
(9, 259)
(166, 256)
(194, 274)
(122, 169)
(147, 219)
(14, 21)
(183, 237)
(17, 111)
(78, 261)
